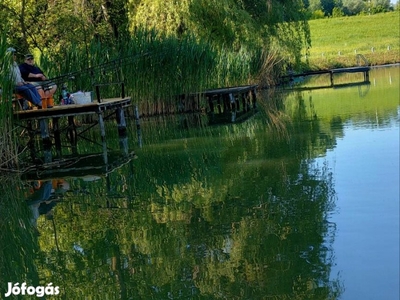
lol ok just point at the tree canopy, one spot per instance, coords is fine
(50, 26)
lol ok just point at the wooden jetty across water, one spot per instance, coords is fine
(239, 102)
(360, 69)
(224, 105)
(103, 109)
(80, 165)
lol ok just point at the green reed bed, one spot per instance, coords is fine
(156, 69)
(8, 147)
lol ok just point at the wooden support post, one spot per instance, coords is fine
(248, 100)
(71, 131)
(98, 94)
(123, 145)
(232, 102)
(57, 135)
(219, 103)
(139, 132)
(331, 77)
(244, 104)
(44, 132)
(210, 103)
(103, 137)
(48, 157)
(366, 76)
(254, 96)
(227, 103)
(31, 142)
(121, 121)
(105, 153)
(44, 129)
(233, 116)
(122, 90)
(102, 128)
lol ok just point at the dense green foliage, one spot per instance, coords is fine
(336, 8)
(51, 26)
(7, 142)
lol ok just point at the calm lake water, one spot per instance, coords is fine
(300, 201)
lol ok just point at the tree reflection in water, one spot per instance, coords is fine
(231, 212)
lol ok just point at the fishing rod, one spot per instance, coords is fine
(103, 68)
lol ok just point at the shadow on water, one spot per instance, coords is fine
(235, 211)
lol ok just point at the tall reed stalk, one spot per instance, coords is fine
(8, 146)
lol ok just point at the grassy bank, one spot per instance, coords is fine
(336, 41)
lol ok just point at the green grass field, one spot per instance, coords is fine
(336, 41)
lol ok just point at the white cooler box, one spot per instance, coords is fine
(82, 97)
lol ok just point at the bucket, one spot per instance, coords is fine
(50, 102)
(44, 103)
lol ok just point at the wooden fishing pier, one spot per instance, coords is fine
(105, 108)
(360, 69)
(233, 104)
(222, 105)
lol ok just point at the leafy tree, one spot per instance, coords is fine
(353, 7)
(327, 6)
(315, 5)
(317, 14)
(231, 23)
(379, 6)
(53, 25)
(337, 12)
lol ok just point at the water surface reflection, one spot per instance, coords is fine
(232, 215)
(238, 211)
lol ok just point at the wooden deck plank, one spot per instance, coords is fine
(350, 70)
(332, 71)
(229, 90)
(72, 109)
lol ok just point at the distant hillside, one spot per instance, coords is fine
(336, 41)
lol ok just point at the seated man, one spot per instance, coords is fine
(21, 87)
(44, 196)
(34, 75)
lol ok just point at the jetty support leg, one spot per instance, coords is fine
(244, 104)
(31, 142)
(103, 137)
(57, 135)
(102, 127)
(72, 131)
(210, 104)
(139, 131)
(120, 116)
(366, 76)
(254, 97)
(219, 104)
(44, 132)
